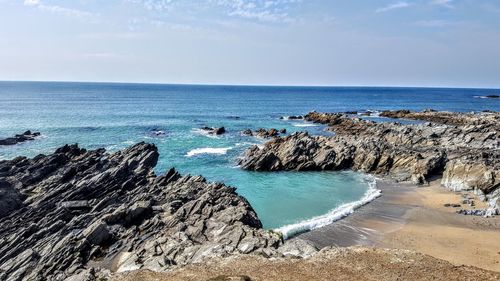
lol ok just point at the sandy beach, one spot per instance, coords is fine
(415, 218)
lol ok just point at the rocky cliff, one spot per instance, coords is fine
(462, 148)
(77, 214)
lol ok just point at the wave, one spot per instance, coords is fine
(486, 97)
(208, 150)
(205, 133)
(334, 215)
(306, 125)
(369, 113)
(245, 143)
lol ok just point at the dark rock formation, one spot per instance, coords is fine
(492, 97)
(214, 131)
(77, 214)
(26, 136)
(463, 148)
(293, 117)
(263, 133)
(444, 117)
(157, 132)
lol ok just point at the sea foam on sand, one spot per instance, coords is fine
(336, 214)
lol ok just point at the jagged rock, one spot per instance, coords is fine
(445, 117)
(26, 136)
(80, 214)
(247, 132)
(263, 133)
(463, 148)
(297, 247)
(215, 131)
(293, 117)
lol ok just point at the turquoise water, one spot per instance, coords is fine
(115, 116)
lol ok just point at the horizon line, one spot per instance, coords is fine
(255, 85)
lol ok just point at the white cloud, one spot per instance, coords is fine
(154, 5)
(394, 6)
(31, 2)
(443, 3)
(58, 9)
(266, 11)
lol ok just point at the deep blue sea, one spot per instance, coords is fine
(115, 116)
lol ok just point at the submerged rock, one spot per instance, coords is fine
(214, 131)
(82, 214)
(26, 136)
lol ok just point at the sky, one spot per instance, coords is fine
(442, 43)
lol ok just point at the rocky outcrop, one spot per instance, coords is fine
(463, 148)
(445, 117)
(78, 214)
(214, 131)
(26, 136)
(293, 117)
(263, 133)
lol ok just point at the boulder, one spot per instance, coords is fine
(26, 136)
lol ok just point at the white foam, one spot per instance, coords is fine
(336, 214)
(481, 97)
(305, 125)
(205, 133)
(245, 143)
(208, 150)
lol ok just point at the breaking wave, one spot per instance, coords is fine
(208, 150)
(336, 214)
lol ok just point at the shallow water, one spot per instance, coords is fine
(115, 116)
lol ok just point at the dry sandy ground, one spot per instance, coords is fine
(438, 231)
(344, 264)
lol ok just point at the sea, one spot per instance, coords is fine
(116, 115)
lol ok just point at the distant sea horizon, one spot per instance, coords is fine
(257, 85)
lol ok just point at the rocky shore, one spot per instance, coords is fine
(88, 215)
(462, 148)
(79, 215)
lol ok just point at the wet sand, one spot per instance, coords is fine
(414, 218)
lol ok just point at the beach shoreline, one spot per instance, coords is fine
(415, 218)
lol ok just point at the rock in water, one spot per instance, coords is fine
(80, 214)
(214, 131)
(263, 133)
(26, 136)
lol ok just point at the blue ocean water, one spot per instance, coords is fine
(115, 116)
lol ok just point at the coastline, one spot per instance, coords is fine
(293, 230)
(414, 218)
